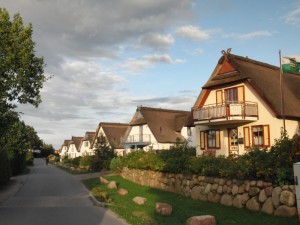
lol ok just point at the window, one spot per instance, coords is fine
(261, 136)
(234, 95)
(86, 144)
(231, 95)
(210, 139)
(189, 131)
(258, 137)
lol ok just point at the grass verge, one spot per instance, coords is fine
(183, 207)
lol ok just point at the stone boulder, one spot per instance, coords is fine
(276, 196)
(112, 185)
(103, 180)
(253, 204)
(287, 198)
(226, 200)
(196, 192)
(214, 197)
(253, 191)
(268, 206)
(163, 209)
(201, 220)
(122, 191)
(139, 200)
(285, 211)
(262, 197)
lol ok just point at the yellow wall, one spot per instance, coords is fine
(265, 117)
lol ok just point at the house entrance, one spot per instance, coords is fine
(233, 141)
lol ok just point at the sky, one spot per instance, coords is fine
(107, 57)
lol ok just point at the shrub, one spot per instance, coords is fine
(75, 161)
(29, 158)
(86, 161)
(274, 165)
(5, 170)
(116, 164)
(101, 195)
(53, 158)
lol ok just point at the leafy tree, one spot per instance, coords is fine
(19, 140)
(46, 150)
(103, 151)
(21, 78)
(21, 72)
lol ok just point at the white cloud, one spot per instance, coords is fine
(293, 17)
(192, 33)
(250, 35)
(135, 65)
(156, 41)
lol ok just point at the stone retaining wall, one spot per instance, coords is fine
(253, 195)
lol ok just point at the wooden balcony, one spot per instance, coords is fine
(137, 140)
(228, 112)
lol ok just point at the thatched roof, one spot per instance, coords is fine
(164, 124)
(76, 141)
(263, 78)
(113, 133)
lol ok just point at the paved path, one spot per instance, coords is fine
(50, 196)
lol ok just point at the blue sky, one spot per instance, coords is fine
(108, 57)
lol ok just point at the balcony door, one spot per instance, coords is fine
(234, 95)
(233, 141)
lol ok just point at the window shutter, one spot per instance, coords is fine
(219, 97)
(266, 132)
(241, 94)
(246, 137)
(202, 140)
(218, 140)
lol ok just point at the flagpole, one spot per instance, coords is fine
(281, 93)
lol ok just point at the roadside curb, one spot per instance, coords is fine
(95, 201)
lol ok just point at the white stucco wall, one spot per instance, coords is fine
(155, 145)
(191, 138)
(72, 151)
(85, 148)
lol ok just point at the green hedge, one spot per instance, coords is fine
(5, 169)
(274, 165)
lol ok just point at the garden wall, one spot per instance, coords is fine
(253, 195)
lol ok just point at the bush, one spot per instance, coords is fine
(75, 161)
(53, 158)
(29, 158)
(116, 164)
(86, 161)
(274, 165)
(5, 170)
(96, 164)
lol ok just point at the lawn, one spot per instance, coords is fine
(183, 207)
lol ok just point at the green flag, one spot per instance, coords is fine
(290, 64)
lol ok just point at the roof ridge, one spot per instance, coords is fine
(160, 109)
(247, 59)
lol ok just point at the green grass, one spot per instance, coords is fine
(183, 207)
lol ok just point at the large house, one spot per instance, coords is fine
(64, 149)
(241, 106)
(113, 132)
(73, 147)
(157, 129)
(86, 143)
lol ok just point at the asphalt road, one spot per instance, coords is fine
(50, 196)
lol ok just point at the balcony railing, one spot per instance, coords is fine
(227, 111)
(143, 139)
